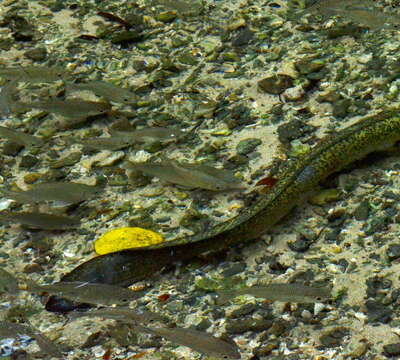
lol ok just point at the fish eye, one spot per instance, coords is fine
(125, 300)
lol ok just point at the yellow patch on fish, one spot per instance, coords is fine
(125, 238)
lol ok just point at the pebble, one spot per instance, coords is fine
(392, 350)
(246, 146)
(28, 161)
(275, 84)
(237, 311)
(393, 251)
(378, 312)
(333, 337)
(243, 325)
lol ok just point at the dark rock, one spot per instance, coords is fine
(240, 310)
(307, 66)
(243, 37)
(37, 54)
(28, 161)
(11, 148)
(241, 326)
(32, 268)
(292, 130)
(362, 211)
(393, 251)
(391, 350)
(341, 107)
(378, 312)
(334, 337)
(275, 84)
(246, 146)
(232, 269)
(300, 245)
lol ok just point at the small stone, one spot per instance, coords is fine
(294, 93)
(246, 146)
(299, 245)
(393, 251)
(31, 178)
(333, 337)
(199, 322)
(229, 270)
(358, 349)
(38, 54)
(275, 84)
(378, 312)
(237, 311)
(341, 107)
(392, 350)
(11, 148)
(307, 66)
(125, 37)
(69, 160)
(175, 306)
(325, 196)
(244, 36)
(292, 130)
(32, 268)
(166, 16)
(28, 161)
(362, 211)
(241, 326)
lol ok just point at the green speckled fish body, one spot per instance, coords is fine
(373, 133)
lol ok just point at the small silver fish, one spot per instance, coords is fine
(90, 293)
(114, 142)
(40, 220)
(200, 341)
(123, 314)
(188, 175)
(71, 108)
(105, 90)
(34, 74)
(279, 292)
(363, 12)
(20, 137)
(149, 134)
(12, 330)
(68, 193)
(8, 283)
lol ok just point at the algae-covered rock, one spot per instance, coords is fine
(246, 146)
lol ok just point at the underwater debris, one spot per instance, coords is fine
(126, 238)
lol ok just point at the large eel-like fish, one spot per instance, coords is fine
(331, 154)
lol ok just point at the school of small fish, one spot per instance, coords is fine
(114, 300)
(74, 111)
